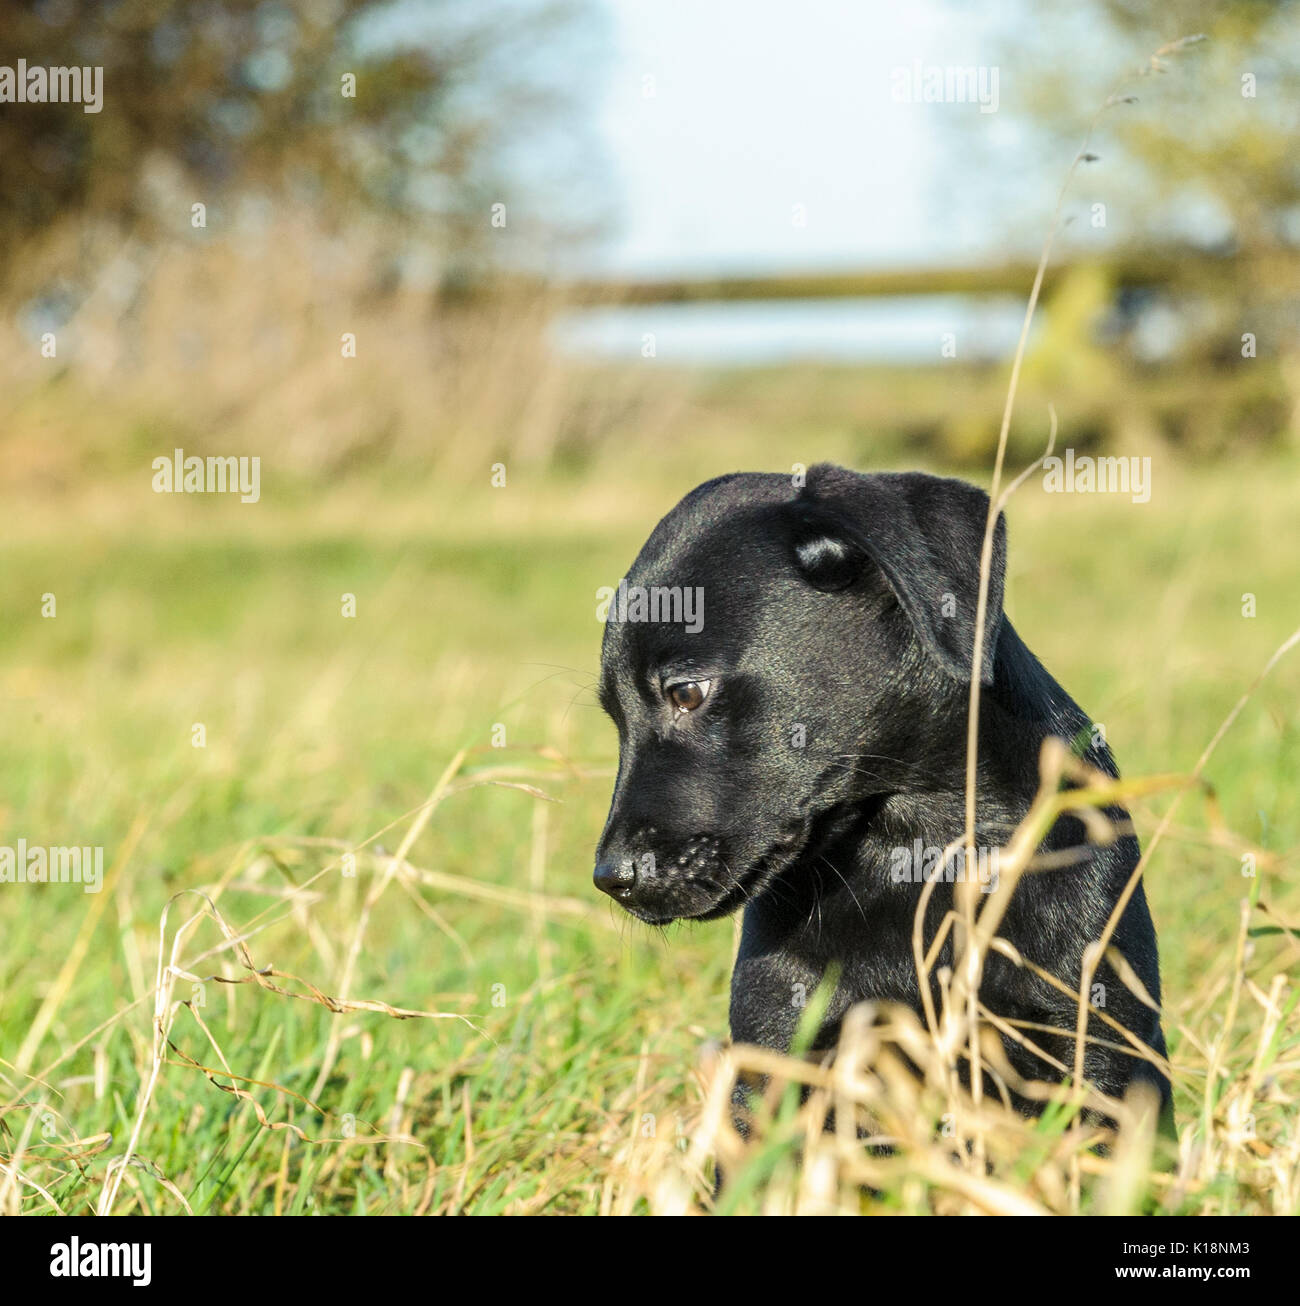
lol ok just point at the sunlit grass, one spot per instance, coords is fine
(475, 609)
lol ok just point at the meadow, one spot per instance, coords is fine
(395, 812)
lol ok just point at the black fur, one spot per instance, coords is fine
(837, 633)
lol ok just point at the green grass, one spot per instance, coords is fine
(475, 607)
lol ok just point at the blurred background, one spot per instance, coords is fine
(557, 181)
(487, 285)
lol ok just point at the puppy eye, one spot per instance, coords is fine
(687, 695)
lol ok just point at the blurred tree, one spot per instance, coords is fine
(426, 112)
(1195, 151)
(1212, 144)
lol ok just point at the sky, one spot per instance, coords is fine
(768, 134)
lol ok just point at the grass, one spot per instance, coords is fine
(585, 1074)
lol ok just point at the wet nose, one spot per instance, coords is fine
(614, 878)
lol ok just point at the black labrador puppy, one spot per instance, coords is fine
(789, 669)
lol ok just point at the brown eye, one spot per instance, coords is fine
(689, 694)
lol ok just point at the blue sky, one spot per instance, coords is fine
(754, 107)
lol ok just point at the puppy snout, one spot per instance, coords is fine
(659, 872)
(701, 850)
(615, 878)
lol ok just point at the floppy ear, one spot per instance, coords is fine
(925, 533)
(828, 561)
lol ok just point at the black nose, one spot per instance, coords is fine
(614, 878)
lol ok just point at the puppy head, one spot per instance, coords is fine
(774, 657)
